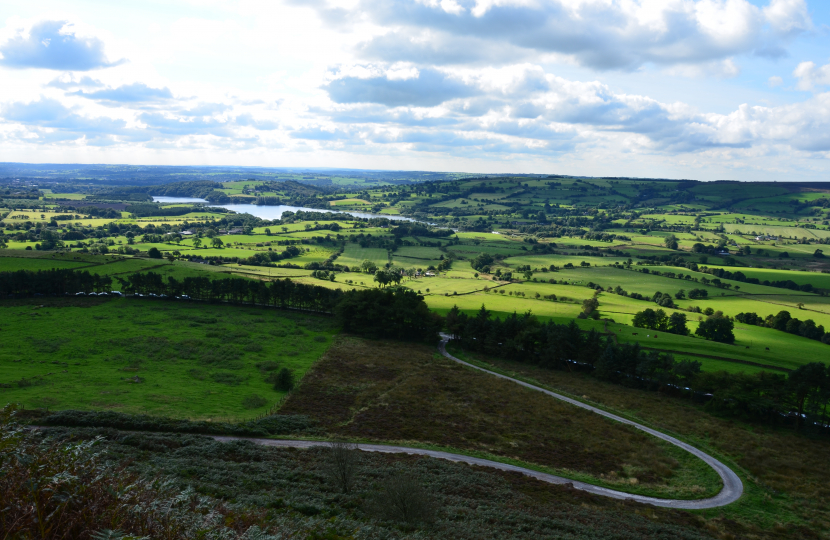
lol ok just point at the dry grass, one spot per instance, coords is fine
(387, 391)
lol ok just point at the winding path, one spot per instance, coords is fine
(732, 486)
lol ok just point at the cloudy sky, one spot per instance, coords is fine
(705, 89)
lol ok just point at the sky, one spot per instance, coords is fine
(698, 89)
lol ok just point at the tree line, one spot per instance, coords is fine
(801, 397)
(395, 313)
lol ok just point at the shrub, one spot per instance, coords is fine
(254, 401)
(223, 377)
(402, 498)
(268, 365)
(284, 380)
(253, 346)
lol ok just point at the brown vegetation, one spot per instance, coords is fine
(64, 490)
(786, 475)
(387, 391)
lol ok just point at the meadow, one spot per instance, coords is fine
(176, 359)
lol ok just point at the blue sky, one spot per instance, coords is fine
(705, 89)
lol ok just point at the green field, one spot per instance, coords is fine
(354, 255)
(182, 360)
(30, 263)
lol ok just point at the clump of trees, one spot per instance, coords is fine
(394, 313)
(659, 321)
(696, 294)
(482, 262)
(717, 327)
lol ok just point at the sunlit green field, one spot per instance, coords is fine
(354, 255)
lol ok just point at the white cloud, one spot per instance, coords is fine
(809, 75)
(600, 34)
(425, 83)
(788, 17)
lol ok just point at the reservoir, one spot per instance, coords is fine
(272, 212)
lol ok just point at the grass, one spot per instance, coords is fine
(354, 255)
(366, 390)
(545, 261)
(785, 475)
(768, 274)
(183, 360)
(428, 254)
(30, 263)
(350, 202)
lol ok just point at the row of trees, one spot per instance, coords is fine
(785, 322)
(278, 293)
(395, 313)
(52, 283)
(281, 293)
(800, 397)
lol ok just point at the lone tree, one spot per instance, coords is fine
(343, 464)
(671, 241)
(154, 253)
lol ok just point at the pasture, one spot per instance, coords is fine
(177, 359)
(354, 255)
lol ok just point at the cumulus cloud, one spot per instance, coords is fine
(174, 126)
(545, 113)
(428, 88)
(128, 93)
(67, 81)
(809, 75)
(66, 124)
(788, 17)
(54, 45)
(249, 120)
(203, 109)
(594, 33)
(316, 133)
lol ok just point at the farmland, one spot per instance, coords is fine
(594, 253)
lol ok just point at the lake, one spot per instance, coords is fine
(272, 212)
